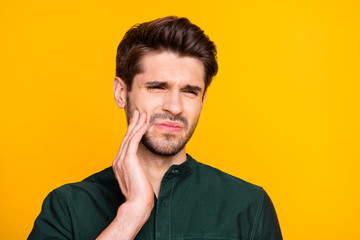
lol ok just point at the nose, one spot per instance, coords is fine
(173, 103)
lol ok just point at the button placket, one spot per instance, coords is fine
(162, 225)
(163, 204)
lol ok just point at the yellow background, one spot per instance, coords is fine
(282, 113)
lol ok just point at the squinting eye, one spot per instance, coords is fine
(192, 92)
(155, 87)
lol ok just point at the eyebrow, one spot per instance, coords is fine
(193, 88)
(165, 84)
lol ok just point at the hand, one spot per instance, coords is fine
(134, 185)
(129, 173)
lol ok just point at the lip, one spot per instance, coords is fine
(169, 126)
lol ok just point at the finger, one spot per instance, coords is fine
(133, 121)
(140, 123)
(135, 139)
(135, 126)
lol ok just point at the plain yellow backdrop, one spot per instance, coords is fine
(282, 113)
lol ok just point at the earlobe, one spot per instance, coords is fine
(120, 92)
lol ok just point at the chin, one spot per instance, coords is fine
(167, 147)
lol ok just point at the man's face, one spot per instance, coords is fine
(170, 91)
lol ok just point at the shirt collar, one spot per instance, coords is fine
(181, 169)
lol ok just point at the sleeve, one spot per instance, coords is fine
(53, 221)
(266, 225)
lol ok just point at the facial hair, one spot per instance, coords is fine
(167, 145)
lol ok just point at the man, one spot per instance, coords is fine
(154, 190)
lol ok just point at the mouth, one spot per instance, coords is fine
(169, 126)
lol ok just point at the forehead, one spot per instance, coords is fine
(170, 67)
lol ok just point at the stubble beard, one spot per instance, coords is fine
(168, 145)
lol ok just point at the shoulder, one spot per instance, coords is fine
(101, 183)
(217, 176)
(90, 204)
(229, 185)
(234, 198)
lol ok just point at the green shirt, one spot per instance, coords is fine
(195, 201)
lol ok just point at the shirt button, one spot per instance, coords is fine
(163, 205)
(175, 171)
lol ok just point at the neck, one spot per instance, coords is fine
(155, 166)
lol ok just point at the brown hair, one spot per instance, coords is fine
(177, 35)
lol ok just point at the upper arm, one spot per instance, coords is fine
(53, 221)
(266, 225)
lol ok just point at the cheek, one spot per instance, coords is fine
(139, 102)
(148, 107)
(194, 111)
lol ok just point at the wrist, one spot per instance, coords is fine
(130, 218)
(135, 210)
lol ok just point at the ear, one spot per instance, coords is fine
(204, 97)
(120, 92)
